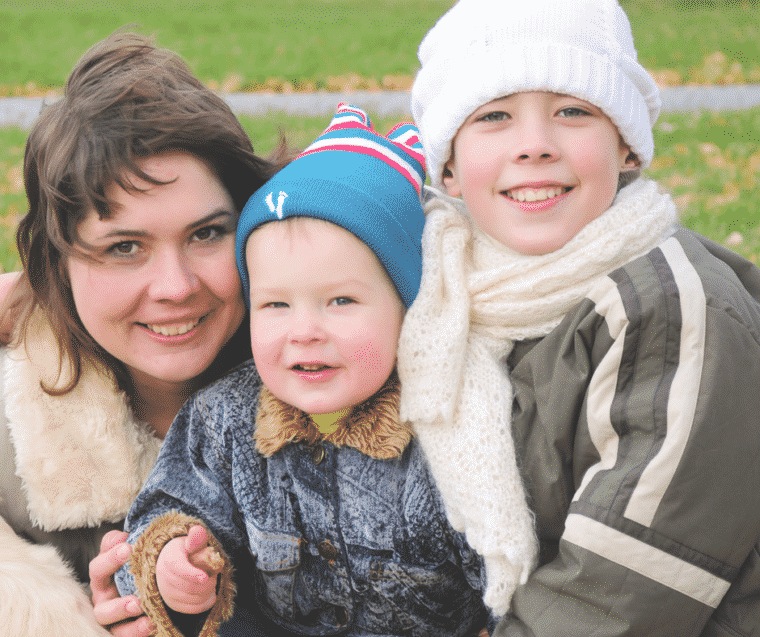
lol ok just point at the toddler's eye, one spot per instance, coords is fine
(342, 300)
(276, 305)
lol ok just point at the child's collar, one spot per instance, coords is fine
(328, 423)
(372, 427)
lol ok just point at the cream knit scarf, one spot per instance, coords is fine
(476, 299)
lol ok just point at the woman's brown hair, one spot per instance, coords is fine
(125, 100)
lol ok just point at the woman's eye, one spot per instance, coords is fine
(124, 248)
(209, 233)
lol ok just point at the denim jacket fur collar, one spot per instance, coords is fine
(343, 543)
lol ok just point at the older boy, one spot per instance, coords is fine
(618, 349)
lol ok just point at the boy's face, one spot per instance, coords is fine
(325, 317)
(534, 168)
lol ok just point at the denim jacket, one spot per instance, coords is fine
(344, 543)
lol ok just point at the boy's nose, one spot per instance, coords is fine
(306, 327)
(535, 144)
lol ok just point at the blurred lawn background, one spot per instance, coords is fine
(710, 161)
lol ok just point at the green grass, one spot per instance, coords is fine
(250, 41)
(699, 41)
(246, 45)
(711, 164)
(709, 161)
(12, 200)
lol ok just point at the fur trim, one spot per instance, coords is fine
(143, 567)
(82, 456)
(372, 427)
(39, 594)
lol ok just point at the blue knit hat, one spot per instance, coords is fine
(365, 183)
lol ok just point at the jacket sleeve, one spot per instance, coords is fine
(191, 483)
(639, 420)
(39, 594)
(143, 568)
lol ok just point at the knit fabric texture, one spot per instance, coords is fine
(359, 180)
(485, 49)
(476, 299)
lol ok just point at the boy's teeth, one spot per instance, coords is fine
(172, 330)
(535, 194)
(310, 368)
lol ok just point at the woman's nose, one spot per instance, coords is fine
(173, 277)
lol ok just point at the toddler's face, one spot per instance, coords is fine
(325, 316)
(534, 168)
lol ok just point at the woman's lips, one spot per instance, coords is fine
(174, 329)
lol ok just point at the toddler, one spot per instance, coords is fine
(302, 459)
(574, 355)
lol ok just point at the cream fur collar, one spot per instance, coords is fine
(82, 456)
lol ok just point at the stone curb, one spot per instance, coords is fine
(22, 111)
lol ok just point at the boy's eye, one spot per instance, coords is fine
(276, 305)
(342, 300)
(573, 111)
(493, 116)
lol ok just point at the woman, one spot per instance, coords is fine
(128, 302)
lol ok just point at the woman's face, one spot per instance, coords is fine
(162, 294)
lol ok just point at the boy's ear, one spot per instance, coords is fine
(628, 159)
(632, 161)
(450, 180)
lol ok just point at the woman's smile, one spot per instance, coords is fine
(159, 289)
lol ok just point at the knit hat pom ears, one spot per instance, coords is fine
(481, 50)
(363, 182)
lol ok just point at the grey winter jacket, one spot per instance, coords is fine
(637, 421)
(344, 543)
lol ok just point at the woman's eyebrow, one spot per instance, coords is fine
(219, 212)
(132, 232)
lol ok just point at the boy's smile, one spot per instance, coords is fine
(534, 168)
(325, 316)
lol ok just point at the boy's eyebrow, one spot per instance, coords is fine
(327, 287)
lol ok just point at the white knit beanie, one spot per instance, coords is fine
(481, 50)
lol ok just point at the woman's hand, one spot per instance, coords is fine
(123, 616)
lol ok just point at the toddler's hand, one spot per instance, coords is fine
(186, 572)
